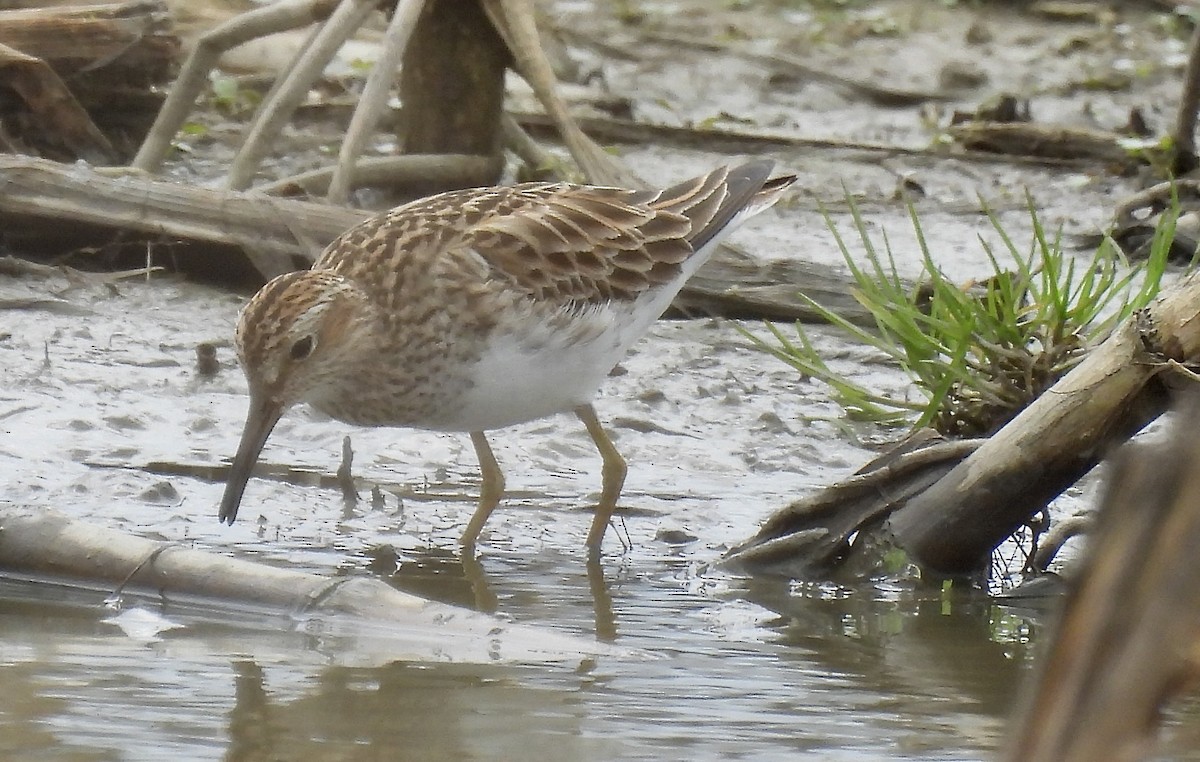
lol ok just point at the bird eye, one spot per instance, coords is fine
(303, 348)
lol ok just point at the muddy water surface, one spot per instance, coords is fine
(103, 417)
(717, 436)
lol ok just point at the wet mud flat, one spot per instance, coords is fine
(105, 417)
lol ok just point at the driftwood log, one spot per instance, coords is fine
(1128, 633)
(277, 234)
(948, 514)
(281, 234)
(373, 622)
(452, 81)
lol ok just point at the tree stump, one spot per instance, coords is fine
(452, 81)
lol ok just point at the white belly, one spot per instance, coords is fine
(544, 363)
(543, 368)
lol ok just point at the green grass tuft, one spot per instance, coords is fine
(977, 353)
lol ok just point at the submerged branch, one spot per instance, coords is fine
(948, 516)
(384, 623)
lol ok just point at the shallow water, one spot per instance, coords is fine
(104, 418)
(717, 436)
(731, 683)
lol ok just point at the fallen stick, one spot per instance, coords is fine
(1126, 643)
(389, 625)
(727, 140)
(271, 230)
(1042, 141)
(404, 171)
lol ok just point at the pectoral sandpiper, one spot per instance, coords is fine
(478, 309)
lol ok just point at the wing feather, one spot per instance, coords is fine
(555, 242)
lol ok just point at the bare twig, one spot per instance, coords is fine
(374, 97)
(277, 17)
(514, 19)
(290, 88)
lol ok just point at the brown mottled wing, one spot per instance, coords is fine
(557, 242)
(586, 244)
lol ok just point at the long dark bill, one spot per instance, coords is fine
(260, 420)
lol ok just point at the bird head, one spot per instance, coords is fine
(295, 339)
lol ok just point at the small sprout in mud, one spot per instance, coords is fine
(876, 22)
(977, 353)
(1158, 153)
(189, 130)
(895, 561)
(227, 95)
(629, 12)
(1178, 24)
(224, 89)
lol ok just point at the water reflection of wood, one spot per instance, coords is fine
(951, 526)
(1127, 640)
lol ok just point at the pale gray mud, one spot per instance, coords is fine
(101, 410)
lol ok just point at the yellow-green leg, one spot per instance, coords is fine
(612, 475)
(489, 494)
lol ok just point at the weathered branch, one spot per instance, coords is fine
(281, 234)
(1127, 639)
(514, 21)
(391, 625)
(953, 526)
(407, 171)
(287, 92)
(813, 535)
(371, 105)
(277, 234)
